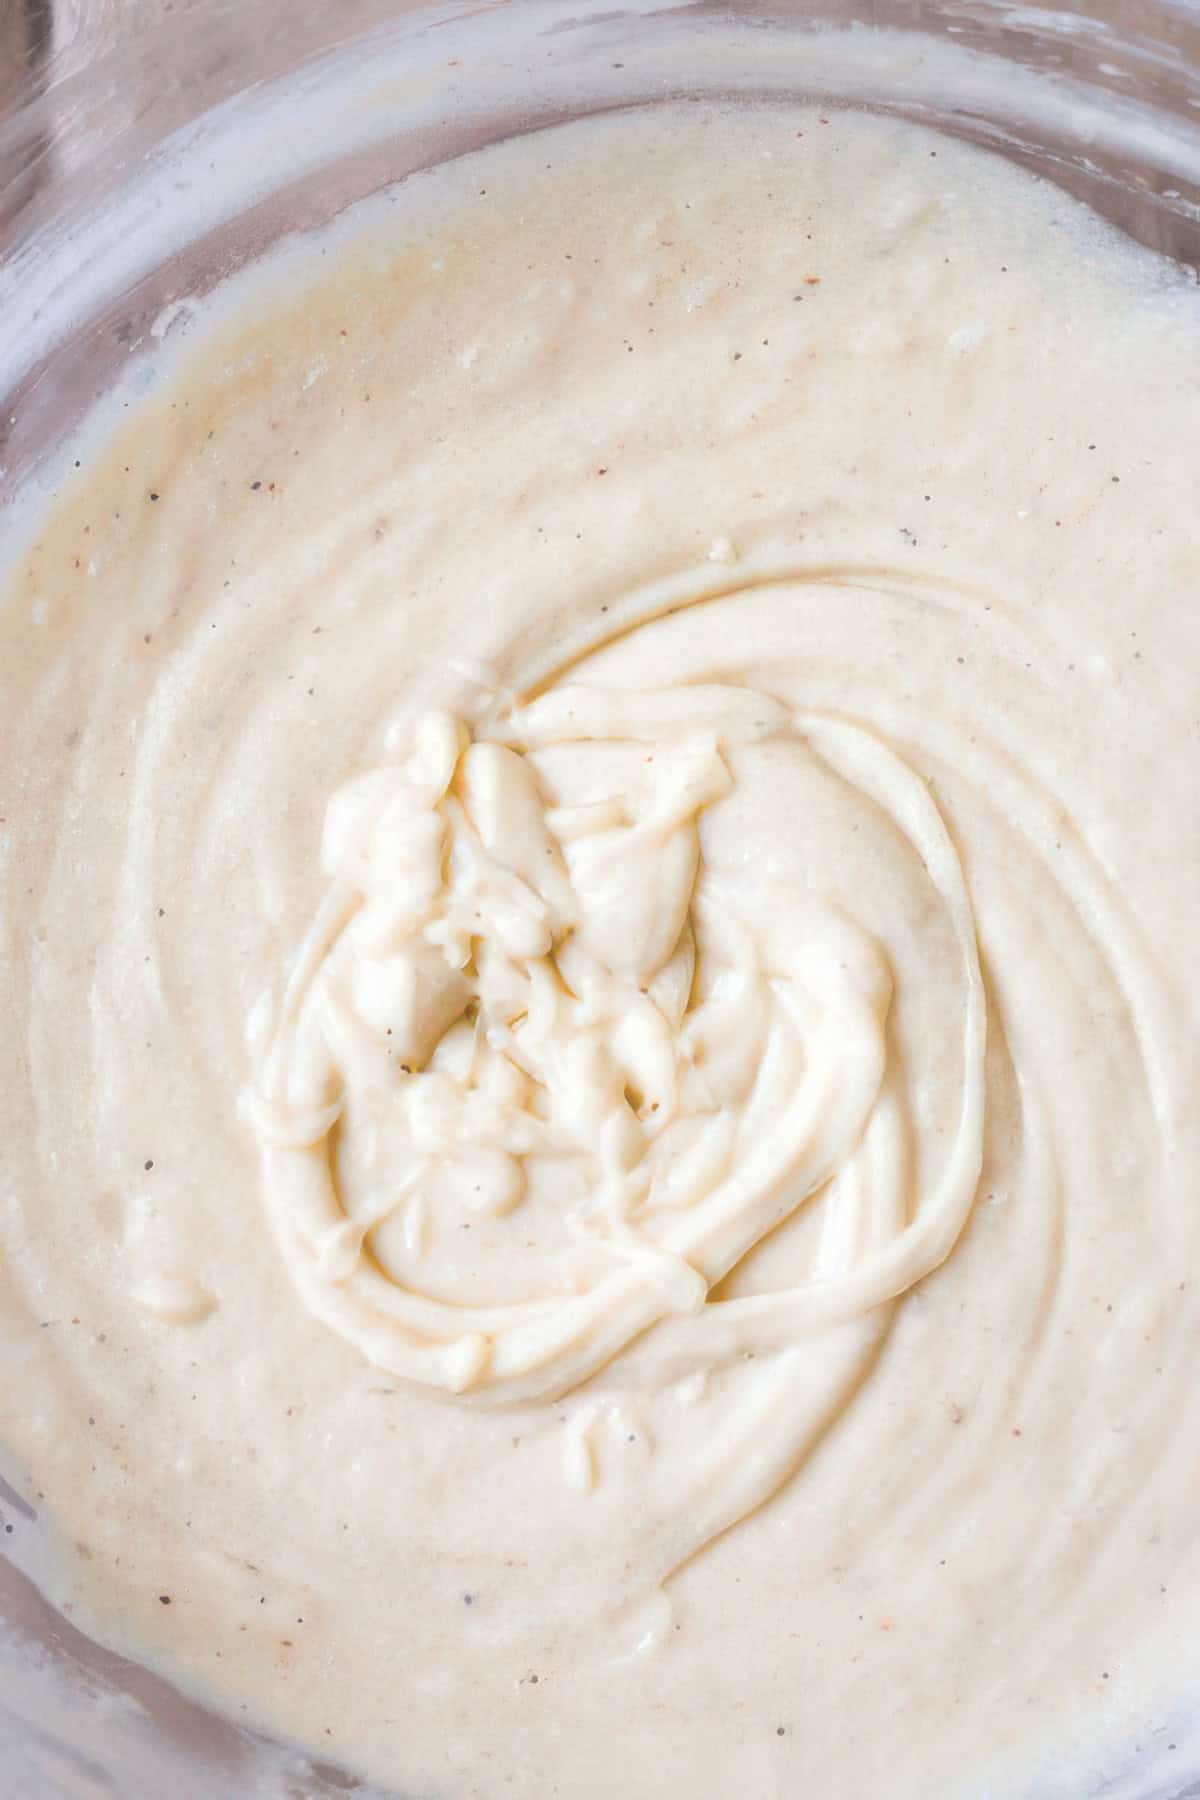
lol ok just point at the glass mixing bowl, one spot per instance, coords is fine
(150, 147)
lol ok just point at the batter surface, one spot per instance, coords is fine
(601, 917)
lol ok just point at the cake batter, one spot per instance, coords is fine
(600, 900)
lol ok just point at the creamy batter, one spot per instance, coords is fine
(601, 914)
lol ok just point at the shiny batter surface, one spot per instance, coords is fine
(601, 910)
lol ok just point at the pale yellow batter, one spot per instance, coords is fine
(601, 910)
